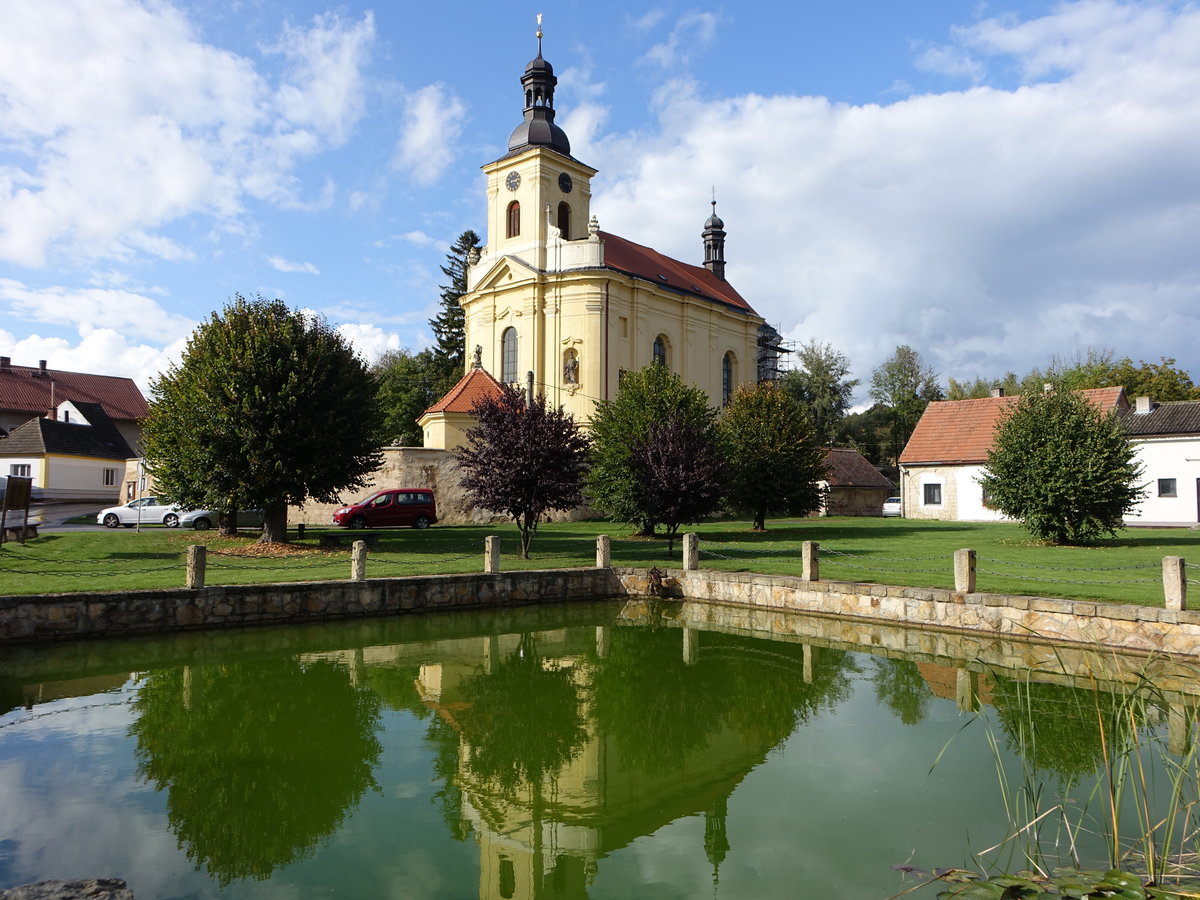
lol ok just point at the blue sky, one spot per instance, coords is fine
(995, 184)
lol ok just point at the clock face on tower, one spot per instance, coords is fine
(513, 180)
(564, 183)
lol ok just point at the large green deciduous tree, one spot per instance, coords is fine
(409, 383)
(823, 384)
(647, 396)
(1062, 467)
(773, 458)
(268, 407)
(905, 385)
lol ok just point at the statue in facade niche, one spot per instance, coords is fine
(571, 369)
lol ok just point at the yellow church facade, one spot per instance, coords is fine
(553, 295)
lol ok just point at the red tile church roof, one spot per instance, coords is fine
(645, 262)
(469, 390)
(960, 431)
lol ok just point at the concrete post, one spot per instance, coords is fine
(491, 555)
(806, 663)
(197, 558)
(966, 690)
(603, 551)
(1174, 582)
(691, 646)
(358, 561)
(964, 571)
(603, 639)
(491, 654)
(810, 561)
(691, 551)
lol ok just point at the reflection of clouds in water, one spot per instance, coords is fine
(406, 790)
(72, 717)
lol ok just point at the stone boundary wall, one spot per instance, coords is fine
(90, 615)
(1142, 629)
(71, 616)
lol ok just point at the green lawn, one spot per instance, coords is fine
(888, 551)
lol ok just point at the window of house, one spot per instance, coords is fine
(21, 470)
(564, 220)
(933, 495)
(1166, 487)
(660, 350)
(726, 378)
(508, 355)
(110, 477)
(514, 219)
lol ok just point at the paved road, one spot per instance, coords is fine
(51, 517)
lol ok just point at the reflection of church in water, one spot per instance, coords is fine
(543, 837)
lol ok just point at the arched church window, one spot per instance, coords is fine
(660, 350)
(514, 219)
(727, 367)
(564, 219)
(508, 355)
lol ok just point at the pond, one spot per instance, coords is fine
(594, 750)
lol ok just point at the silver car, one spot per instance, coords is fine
(144, 511)
(893, 506)
(204, 519)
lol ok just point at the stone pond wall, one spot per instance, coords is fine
(71, 616)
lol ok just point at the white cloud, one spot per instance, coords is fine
(92, 309)
(119, 119)
(988, 228)
(283, 265)
(433, 121)
(99, 352)
(693, 32)
(370, 341)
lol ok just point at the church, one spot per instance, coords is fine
(555, 299)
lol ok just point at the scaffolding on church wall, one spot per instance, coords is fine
(772, 353)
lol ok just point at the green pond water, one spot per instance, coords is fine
(602, 750)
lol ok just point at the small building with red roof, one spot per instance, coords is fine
(553, 295)
(447, 422)
(944, 459)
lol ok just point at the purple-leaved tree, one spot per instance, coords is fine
(680, 471)
(523, 459)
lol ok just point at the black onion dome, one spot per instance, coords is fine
(713, 223)
(538, 128)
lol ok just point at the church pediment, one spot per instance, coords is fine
(505, 271)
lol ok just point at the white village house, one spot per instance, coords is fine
(942, 463)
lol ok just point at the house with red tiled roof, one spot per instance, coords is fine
(27, 393)
(553, 297)
(944, 459)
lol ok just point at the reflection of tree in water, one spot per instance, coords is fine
(658, 709)
(1056, 728)
(260, 759)
(397, 687)
(900, 687)
(523, 721)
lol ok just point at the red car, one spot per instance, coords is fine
(414, 507)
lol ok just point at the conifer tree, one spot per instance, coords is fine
(449, 325)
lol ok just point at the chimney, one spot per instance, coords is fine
(5, 364)
(41, 372)
(998, 392)
(1142, 406)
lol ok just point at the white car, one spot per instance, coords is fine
(893, 507)
(146, 511)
